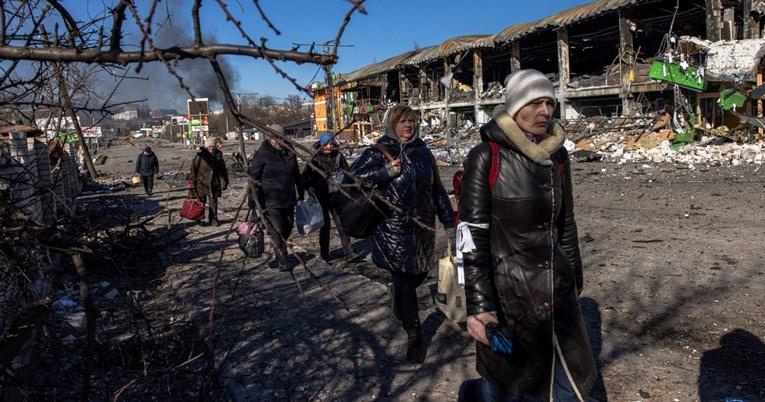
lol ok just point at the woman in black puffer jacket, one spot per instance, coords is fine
(403, 243)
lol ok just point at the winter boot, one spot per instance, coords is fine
(415, 346)
(392, 298)
(470, 391)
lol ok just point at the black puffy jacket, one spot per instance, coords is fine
(527, 267)
(147, 164)
(399, 244)
(276, 175)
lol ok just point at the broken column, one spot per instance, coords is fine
(22, 173)
(45, 184)
(564, 71)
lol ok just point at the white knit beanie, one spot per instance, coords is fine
(525, 86)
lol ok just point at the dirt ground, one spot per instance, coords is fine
(674, 294)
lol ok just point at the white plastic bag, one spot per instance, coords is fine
(309, 216)
(450, 298)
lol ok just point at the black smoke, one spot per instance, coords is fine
(155, 83)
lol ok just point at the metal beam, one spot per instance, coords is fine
(564, 71)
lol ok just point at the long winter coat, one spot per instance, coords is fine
(276, 175)
(328, 164)
(527, 266)
(209, 173)
(147, 164)
(399, 244)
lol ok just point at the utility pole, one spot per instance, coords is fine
(330, 93)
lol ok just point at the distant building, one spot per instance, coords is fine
(298, 129)
(159, 113)
(128, 113)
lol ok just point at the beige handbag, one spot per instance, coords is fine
(136, 180)
(450, 298)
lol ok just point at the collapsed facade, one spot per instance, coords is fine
(606, 58)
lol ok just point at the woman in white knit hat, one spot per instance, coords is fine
(523, 270)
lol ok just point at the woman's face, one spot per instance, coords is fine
(405, 128)
(534, 118)
(275, 143)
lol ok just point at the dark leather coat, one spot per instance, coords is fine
(399, 244)
(527, 266)
(276, 175)
(209, 173)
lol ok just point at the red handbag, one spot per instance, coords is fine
(193, 209)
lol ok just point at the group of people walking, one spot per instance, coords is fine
(517, 235)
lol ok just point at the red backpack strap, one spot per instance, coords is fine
(494, 164)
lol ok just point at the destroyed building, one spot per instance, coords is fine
(608, 58)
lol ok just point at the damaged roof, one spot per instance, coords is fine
(22, 128)
(377, 68)
(452, 46)
(564, 18)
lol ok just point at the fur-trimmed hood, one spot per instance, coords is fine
(390, 131)
(503, 130)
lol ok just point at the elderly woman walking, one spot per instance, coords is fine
(403, 243)
(524, 275)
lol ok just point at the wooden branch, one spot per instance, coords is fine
(195, 19)
(265, 18)
(91, 56)
(357, 5)
(90, 317)
(2, 23)
(119, 18)
(71, 25)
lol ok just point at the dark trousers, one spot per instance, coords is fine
(148, 184)
(563, 391)
(405, 299)
(279, 223)
(212, 208)
(328, 210)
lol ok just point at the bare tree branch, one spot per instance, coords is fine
(357, 5)
(265, 18)
(197, 27)
(119, 18)
(171, 53)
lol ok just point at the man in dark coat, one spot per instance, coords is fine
(404, 242)
(147, 165)
(330, 162)
(210, 177)
(524, 274)
(274, 169)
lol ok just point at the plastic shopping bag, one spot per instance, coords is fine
(309, 216)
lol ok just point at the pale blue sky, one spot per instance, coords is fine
(391, 27)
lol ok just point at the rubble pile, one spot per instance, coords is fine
(493, 89)
(711, 154)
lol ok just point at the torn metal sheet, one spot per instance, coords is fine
(758, 122)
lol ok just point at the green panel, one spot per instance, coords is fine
(689, 78)
(730, 98)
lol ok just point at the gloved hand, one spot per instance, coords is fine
(451, 235)
(498, 339)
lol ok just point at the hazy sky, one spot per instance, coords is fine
(391, 27)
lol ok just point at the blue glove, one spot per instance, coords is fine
(500, 342)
